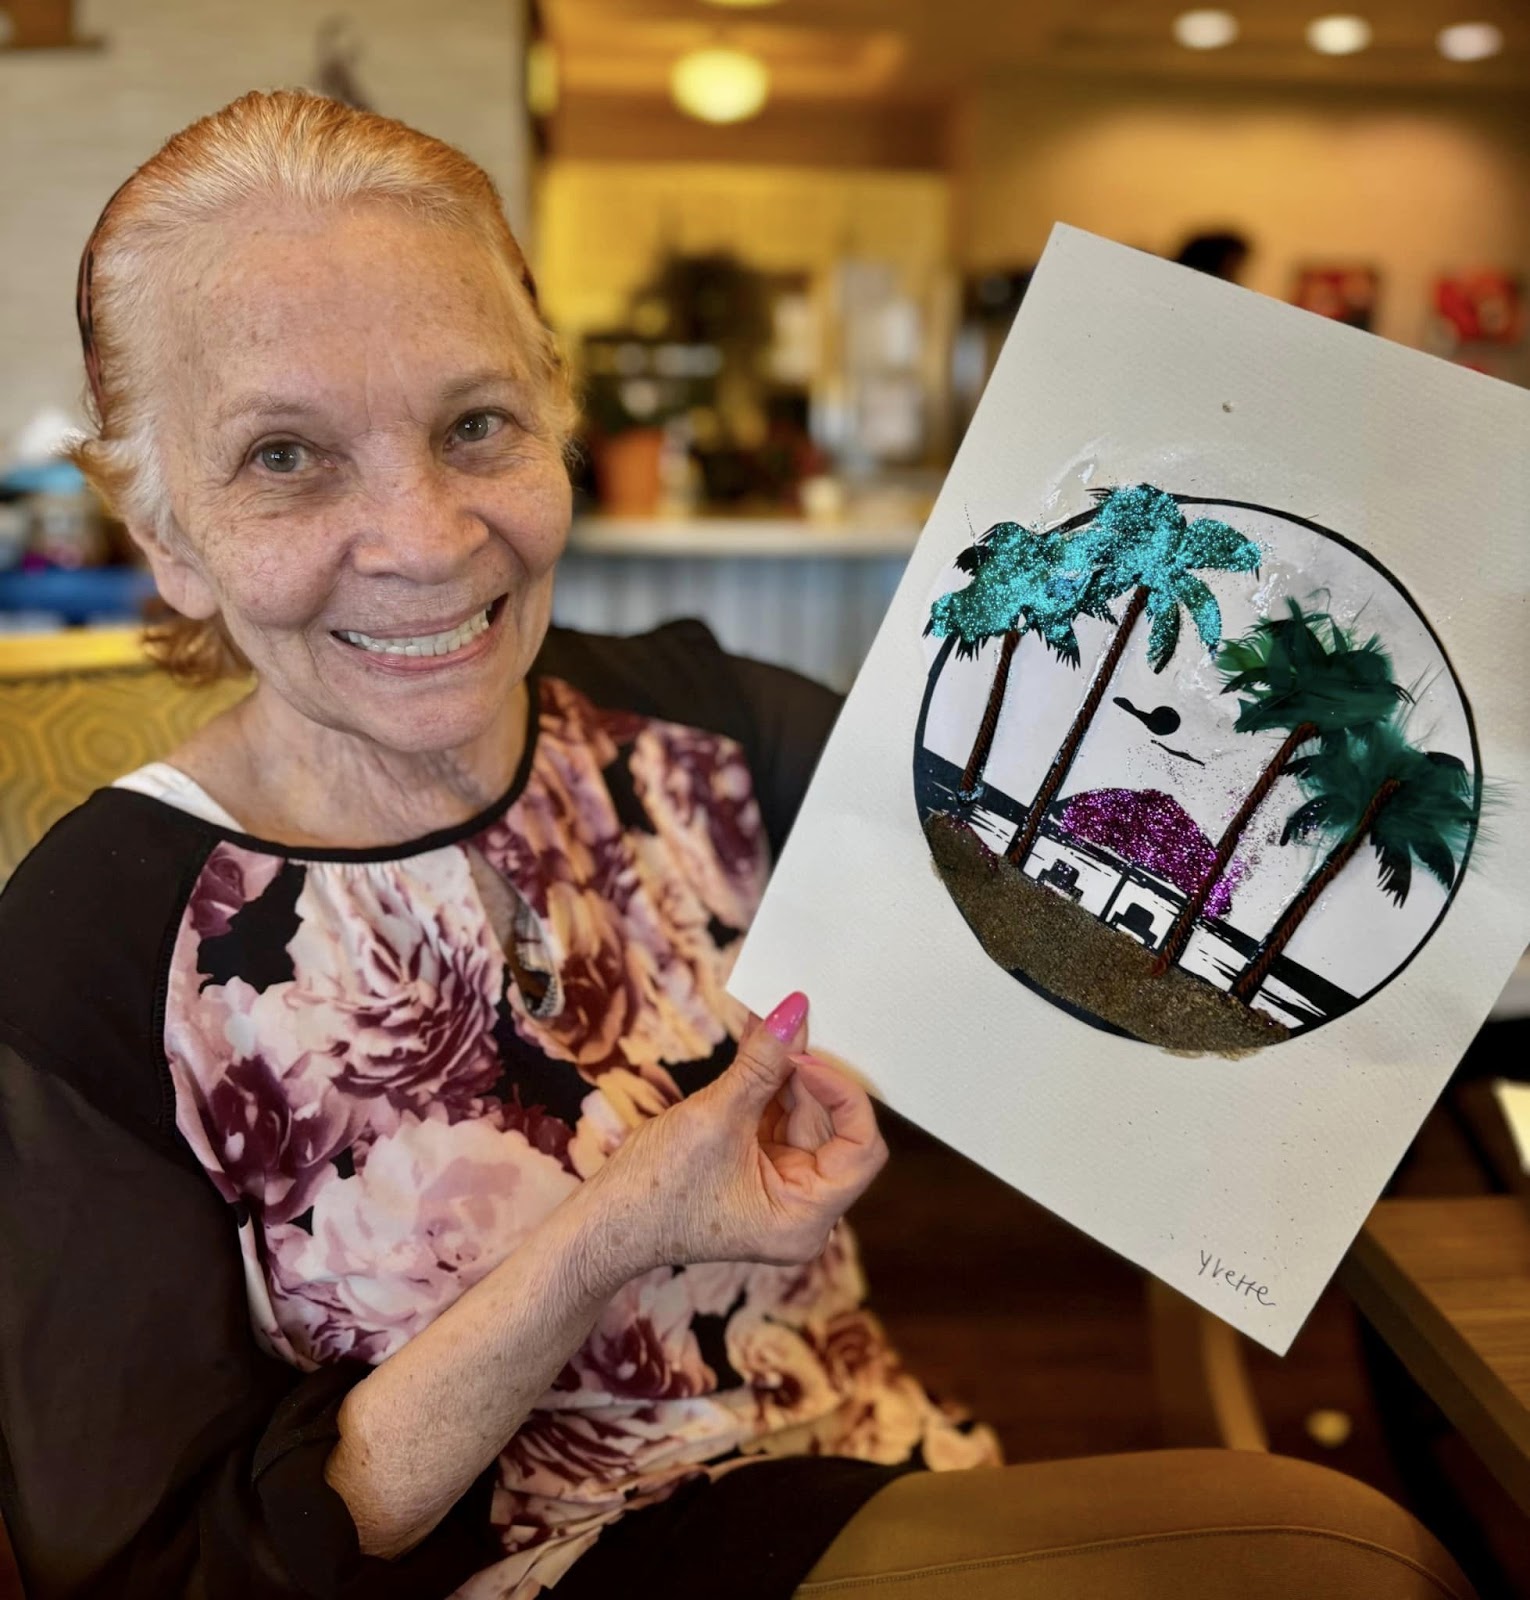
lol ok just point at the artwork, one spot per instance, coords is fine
(1342, 294)
(1168, 853)
(1486, 307)
(1272, 741)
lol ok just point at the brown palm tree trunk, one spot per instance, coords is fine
(1280, 935)
(983, 745)
(1064, 758)
(1184, 924)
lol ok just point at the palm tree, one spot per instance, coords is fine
(1140, 541)
(1022, 582)
(1372, 784)
(1303, 675)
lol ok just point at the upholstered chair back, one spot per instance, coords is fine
(76, 711)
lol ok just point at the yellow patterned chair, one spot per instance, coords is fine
(78, 709)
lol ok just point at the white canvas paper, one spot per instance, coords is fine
(1238, 1176)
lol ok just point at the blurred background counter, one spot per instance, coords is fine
(783, 589)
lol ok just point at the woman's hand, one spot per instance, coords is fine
(757, 1166)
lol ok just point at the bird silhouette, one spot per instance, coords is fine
(1160, 720)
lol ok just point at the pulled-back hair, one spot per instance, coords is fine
(286, 147)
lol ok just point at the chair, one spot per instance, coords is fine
(78, 709)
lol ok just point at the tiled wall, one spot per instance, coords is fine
(74, 123)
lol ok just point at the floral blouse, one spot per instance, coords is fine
(385, 1068)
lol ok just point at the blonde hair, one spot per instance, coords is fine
(288, 147)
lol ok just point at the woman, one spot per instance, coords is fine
(394, 1201)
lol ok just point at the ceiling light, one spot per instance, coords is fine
(1205, 30)
(1338, 36)
(719, 84)
(1470, 41)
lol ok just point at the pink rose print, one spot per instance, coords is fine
(229, 880)
(636, 991)
(787, 1384)
(683, 1014)
(399, 975)
(564, 828)
(438, 1205)
(273, 1150)
(392, 1157)
(885, 1412)
(586, 1457)
(599, 999)
(820, 1290)
(264, 1124)
(697, 789)
(610, 1113)
(643, 1348)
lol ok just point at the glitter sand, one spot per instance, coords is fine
(1076, 958)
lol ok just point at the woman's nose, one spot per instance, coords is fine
(417, 526)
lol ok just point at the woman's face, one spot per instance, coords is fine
(354, 459)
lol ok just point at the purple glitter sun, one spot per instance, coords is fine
(1152, 829)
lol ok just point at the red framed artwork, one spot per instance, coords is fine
(1484, 306)
(1347, 294)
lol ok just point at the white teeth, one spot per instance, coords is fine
(429, 644)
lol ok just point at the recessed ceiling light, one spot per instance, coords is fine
(1470, 41)
(1205, 30)
(1338, 36)
(720, 85)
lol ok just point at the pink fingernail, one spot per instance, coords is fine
(785, 1020)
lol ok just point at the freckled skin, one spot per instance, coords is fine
(404, 509)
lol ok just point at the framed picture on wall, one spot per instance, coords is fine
(1485, 306)
(1347, 294)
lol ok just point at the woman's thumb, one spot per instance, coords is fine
(763, 1062)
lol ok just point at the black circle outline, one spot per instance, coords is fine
(1082, 520)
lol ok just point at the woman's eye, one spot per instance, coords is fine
(284, 456)
(479, 425)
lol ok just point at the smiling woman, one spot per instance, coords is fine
(354, 485)
(437, 1224)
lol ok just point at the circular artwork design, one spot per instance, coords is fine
(1196, 771)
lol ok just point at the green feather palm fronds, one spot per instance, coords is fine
(1304, 668)
(1428, 819)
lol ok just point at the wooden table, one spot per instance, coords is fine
(1447, 1284)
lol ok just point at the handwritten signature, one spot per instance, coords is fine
(1238, 1282)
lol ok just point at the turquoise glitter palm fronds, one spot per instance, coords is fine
(1023, 581)
(1141, 539)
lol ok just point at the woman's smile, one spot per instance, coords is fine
(427, 649)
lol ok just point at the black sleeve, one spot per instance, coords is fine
(148, 1447)
(681, 673)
